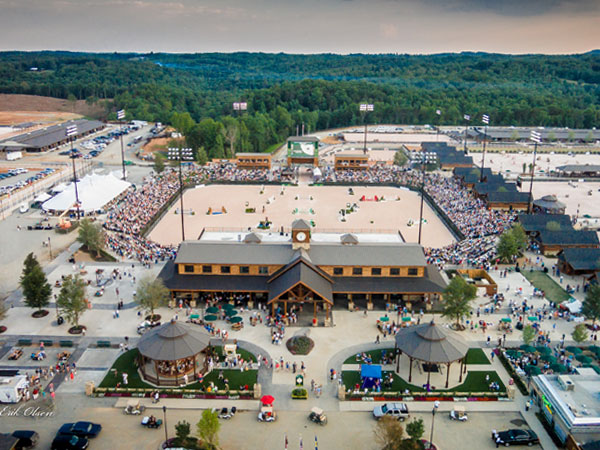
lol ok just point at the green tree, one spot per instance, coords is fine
(553, 226)
(159, 162)
(514, 136)
(71, 299)
(591, 304)
(528, 334)
(552, 136)
(208, 428)
(507, 247)
(589, 138)
(400, 158)
(231, 133)
(201, 157)
(182, 431)
(73, 101)
(182, 122)
(415, 429)
(34, 283)
(389, 433)
(519, 236)
(524, 167)
(91, 236)
(151, 293)
(570, 136)
(580, 333)
(457, 299)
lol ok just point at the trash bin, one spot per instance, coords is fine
(60, 320)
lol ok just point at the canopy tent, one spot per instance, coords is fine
(42, 198)
(574, 306)
(94, 191)
(59, 188)
(370, 375)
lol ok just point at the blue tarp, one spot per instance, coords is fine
(370, 371)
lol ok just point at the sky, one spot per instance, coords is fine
(301, 26)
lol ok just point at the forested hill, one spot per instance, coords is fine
(321, 90)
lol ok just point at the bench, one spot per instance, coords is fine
(103, 344)
(66, 343)
(47, 343)
(24, 342)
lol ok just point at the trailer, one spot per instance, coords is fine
(12, 388)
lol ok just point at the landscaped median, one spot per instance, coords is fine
(552, 290)
(112, 384)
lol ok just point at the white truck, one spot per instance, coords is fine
(12, 156)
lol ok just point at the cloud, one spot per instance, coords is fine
(514, 8)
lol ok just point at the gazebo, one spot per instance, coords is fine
(549, 204)
(430, 344)
(172, 354)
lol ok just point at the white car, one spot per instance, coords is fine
(397, 410)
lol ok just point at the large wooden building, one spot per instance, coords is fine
(254, 160)
(315, 274)
(351, 162)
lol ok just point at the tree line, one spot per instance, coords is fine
(320, 91)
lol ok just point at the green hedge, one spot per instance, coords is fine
(511, 371)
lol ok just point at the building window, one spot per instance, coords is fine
(225, 269)
(357, 271)
(338, 271)
(244, 269)
(394, 271)
(206, 269)
(188, 268)
(376, 271)
(263, 270)
(413, 271)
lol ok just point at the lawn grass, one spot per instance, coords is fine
(474, 356)
(477, 356)
(473, 382)
(375, 354)
(240, 351)
(126, 363)
(551, 288)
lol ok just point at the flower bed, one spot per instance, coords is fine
(174, 393)
(300, 345)
(300, 394)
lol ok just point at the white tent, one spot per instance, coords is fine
(59, 188)
(42, 197)
(94, 191)
(574, 306)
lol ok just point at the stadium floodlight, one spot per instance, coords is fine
(240, 106)
(120, 117)
(467, 117)
(71, 130)
(536, 138)
(366, 107)
(486, 120)
(120, 114)
(181, 154)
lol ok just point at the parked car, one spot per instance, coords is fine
(515, 437)
(81, 429)
(69, 442)
(26, 439)
(397, 410)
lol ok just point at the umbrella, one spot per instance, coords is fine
(194, 316)
(532, 318)
(559, 368)
(231, 312)
(210, 318)
(543, 350)
(267, 399)
(573, 349)
(384, 319)
(532, 370)
(584, 359)
(236, 319)
(527, 348)
(212, 310)
(406, 319)
(594, 348)
(506, 320)
(228, 306)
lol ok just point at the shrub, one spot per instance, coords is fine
(300, 393)
(300, 345)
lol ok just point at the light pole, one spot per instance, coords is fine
(165, 421)
(50, 248)
(426, 158)
(486, 120)
(536, 138)
(439, 114)
(71, 131)
(467, 118)
(120, 117)
(365, 108)
(181, 154)
(239, 107)
(435, 407)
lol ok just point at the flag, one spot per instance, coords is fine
(286, 442)
(316, 443)
(467, 117)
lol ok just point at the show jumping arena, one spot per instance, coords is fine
(396, 209)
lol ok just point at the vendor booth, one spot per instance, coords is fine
(370, 376)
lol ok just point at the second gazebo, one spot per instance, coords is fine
(171, 355)
(432, 345)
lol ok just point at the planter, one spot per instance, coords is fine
(40, 313)
(299, 394)
(77, 330)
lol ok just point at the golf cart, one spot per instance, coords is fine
(317, 416)
(134, 407)
(458, 413)
(266, 413)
